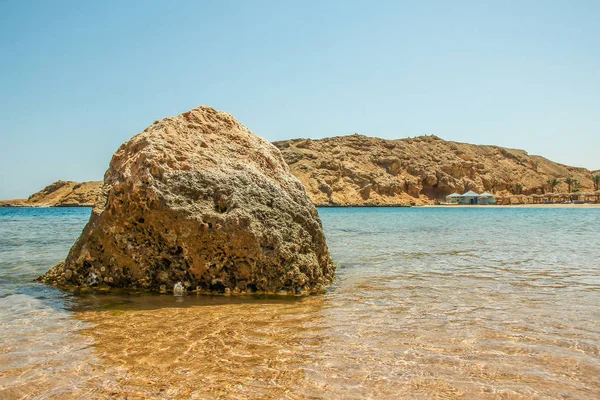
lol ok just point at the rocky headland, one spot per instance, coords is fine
(60, 194)
(198, 202)
(357, 170)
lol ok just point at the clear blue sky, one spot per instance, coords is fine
(78, 78)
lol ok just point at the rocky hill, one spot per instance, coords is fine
(360, 170)
(60, 194)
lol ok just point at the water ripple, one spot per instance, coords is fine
(428, 303)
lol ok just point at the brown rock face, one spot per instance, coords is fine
(358, 170)
(198, 202)
(61, 194)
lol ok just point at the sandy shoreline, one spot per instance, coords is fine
(516, 206)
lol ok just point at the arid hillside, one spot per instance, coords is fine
(60, 194)
(360, 170)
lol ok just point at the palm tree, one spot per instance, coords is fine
(596, 180)
(569, 181)
(553, 183)
(518, 188)
(576, 185)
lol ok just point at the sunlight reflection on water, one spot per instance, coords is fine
(428, 303)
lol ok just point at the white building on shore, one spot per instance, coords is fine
(471, 197)
(487, 198)
(453, 198)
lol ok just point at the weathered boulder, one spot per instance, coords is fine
(199, 202)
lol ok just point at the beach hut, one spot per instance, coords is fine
(586, 196)
(487, 198)
(453, 198)
(520, 198)
(556, 197)
(469, 197)
(538, 198)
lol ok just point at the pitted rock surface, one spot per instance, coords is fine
(200, 202)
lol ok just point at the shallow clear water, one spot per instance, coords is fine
(428, 303)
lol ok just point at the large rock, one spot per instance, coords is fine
(198, 202)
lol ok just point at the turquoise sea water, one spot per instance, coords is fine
(490, 303)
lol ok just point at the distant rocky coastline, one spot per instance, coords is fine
(358, 170)
(60, 194)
